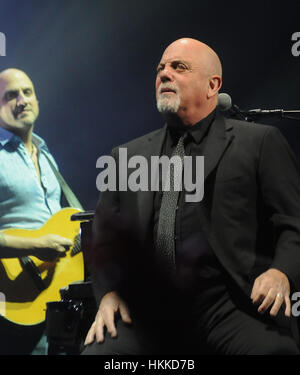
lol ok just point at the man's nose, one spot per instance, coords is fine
(21, 99)
(165, 75)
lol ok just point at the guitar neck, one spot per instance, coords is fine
(77, 245)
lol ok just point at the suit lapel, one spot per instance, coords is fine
(219, 138)
(153, 146)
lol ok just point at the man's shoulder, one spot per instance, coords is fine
(142, 140)
(246, 128)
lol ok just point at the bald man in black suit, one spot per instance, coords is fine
(237, 253)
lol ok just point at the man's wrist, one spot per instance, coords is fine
(3, 242)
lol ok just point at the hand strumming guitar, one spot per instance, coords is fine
(46, 248)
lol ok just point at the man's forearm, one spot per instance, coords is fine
(14, 246)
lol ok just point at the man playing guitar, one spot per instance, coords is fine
(29, 195)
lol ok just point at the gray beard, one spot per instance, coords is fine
(168, 105)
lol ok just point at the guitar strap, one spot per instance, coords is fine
(68, 193)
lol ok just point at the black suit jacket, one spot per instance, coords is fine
(250, 213)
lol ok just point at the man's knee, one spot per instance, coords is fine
(286, 347)
(129, 341)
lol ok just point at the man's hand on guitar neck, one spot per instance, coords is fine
(51, 246)
(46, 248)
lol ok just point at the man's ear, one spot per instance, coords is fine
(215, 84)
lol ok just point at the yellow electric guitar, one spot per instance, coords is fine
(27, 283)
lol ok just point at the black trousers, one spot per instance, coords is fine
(224, 328)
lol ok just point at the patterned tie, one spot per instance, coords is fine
(165, 240)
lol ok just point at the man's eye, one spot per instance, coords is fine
(10, 96)
(159, 68)
(28, 92)
(181, 67)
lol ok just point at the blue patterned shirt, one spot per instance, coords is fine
(25, 201)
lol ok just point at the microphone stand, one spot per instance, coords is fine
(291, 112)
(236, 112)
(253, 114)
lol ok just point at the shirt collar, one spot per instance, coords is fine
(7, 136)
(39, 142)
(199, 130)
(195, 132)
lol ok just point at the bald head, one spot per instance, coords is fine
(18, 104)
(200, 52)
(12, 72)
(188, 80)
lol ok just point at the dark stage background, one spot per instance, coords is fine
(93, 64)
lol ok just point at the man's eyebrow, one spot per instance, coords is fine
(180, 61)
(175, 61)
(14, 91)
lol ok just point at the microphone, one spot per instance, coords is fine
(224, 102)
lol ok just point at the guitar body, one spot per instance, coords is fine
(25, 303)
